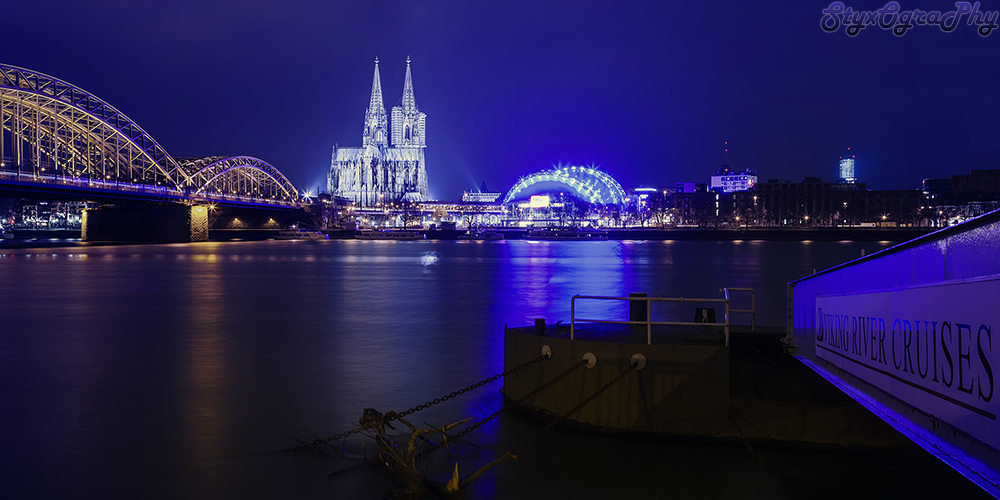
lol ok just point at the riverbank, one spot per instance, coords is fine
(714, 234)
(657, 234)
(774, 234)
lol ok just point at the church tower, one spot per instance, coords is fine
(376, 127)
(407, 121)
(375, 173)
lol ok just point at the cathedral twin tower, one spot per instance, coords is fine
(377, 173)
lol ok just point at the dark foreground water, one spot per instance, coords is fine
(182, 371)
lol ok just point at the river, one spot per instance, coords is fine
(184, 371)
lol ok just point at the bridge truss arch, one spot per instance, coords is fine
(53, 130)
(589, 183)
(239, 177)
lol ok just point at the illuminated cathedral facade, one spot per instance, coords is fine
(389, 166)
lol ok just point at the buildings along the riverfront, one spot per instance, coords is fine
(389, 166)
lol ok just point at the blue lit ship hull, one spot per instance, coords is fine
(565, 234)
(389, 234)
(481, 235)
(300, 234)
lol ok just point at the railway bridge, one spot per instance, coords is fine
(58, 141)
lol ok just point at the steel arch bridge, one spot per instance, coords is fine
(56, 134)
(589, 183)
(243, 176)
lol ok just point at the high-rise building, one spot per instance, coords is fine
(847, 169)
(729, 181)
(381, 172)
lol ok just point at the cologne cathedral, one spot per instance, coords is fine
(378, 172)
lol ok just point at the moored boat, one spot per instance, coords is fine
(389, 234)
(566, 234)
(295, 233)
(481, 234)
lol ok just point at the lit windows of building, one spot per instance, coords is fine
(734, 182)
(847, 173)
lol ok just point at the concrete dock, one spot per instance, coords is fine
(692, 385)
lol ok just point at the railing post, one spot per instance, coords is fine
(572, 317)
(649, 323)
(637, 311)
(727, 321)
(753, 308)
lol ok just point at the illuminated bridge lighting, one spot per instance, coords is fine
(589, 183)
(57, 133)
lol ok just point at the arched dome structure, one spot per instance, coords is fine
(589, 183)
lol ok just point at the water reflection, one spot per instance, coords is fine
(206, 367)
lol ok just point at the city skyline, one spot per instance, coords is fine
(649, 94)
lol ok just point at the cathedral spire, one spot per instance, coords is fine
(409, 103)
(376, 102)
(407, 121)
(376, 123)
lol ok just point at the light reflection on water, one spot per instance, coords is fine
(177, 371)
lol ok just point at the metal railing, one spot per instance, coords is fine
(649, 322)
(753, 305)
(134, 187)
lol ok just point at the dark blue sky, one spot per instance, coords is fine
(647, 90)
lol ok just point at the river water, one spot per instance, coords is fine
(184, 371)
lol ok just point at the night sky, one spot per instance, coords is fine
(649, 91)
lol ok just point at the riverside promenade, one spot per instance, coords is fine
(715, 234)
(653, 234)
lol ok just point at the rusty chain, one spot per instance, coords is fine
(471, 387)
(520, 400)
(393, 416)
(576, 408)
(335, 437)
(472, 477)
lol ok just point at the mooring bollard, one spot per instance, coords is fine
(540, 327)
(704, 315)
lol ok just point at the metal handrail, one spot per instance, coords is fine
(649, 322)
(753, 305)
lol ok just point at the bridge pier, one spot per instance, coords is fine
(150, 224)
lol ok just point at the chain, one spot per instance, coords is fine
(390, 416)
(735, 415)
(739, 430)
(471, 387)
(336, 437)
(575, 409)
(520, 400)
(510, 454)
